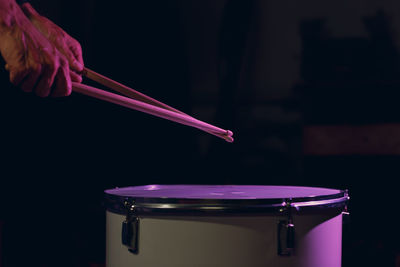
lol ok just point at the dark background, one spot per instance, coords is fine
(267, 70)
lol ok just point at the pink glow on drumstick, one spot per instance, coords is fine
(125, 90)
(136, 95)
(153, 110)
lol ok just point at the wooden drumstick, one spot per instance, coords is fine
(152, 109)
(125, 90)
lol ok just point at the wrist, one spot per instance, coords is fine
(8, 10)
(11, 16)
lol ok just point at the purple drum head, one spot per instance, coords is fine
(216, 198)
(221, 191)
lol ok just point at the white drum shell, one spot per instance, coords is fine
(226, 241)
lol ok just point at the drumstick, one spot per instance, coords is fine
(151, 109)
(125, 90)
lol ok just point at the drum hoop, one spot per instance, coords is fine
(146, 205)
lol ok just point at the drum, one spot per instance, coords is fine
(224, 226)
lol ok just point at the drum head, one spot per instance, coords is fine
(221, 191)
(221, 197)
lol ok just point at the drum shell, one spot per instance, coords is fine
(227, 240)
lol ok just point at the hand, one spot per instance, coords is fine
(33, 62)
(67, 45)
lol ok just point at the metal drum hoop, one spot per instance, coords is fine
(156, 205)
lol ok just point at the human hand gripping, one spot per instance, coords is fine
(34, 63)
(67, 45)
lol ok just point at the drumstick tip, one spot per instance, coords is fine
(228, 137)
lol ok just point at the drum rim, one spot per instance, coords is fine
(147, 205)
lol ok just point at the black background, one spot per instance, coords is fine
(263, 69)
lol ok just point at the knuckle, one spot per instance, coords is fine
(16, 74)
(63, 61)
(78, 47)
(14, 80)
(74, 42)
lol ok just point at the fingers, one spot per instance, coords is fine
(26, 78)
(74, 64)
(16, 76)
(76, 50)
(67, 45)
(75, 77)
(55, 81)
(30, 81)
(47, 79)
(63, 84)
(75, 60)
(28, 10)
(51, 79)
